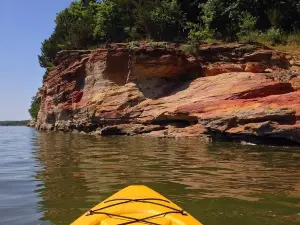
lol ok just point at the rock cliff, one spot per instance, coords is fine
(233, 91)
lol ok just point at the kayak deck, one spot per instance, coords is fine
(136, 205)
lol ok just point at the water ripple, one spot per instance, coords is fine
(52, 178)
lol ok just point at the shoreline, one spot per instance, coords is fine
(210, 138)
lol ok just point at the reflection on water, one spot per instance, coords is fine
(53, 178)
(217, 183)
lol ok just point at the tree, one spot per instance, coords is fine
(168, 21)
(74, 30)
(111, 22)
(34, 107)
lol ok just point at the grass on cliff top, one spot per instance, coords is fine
(290, 49)
(273, 38)
(276, 39)
(293, 49)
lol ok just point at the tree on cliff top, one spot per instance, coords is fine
(74, 30)
(34, 107)
(111, 21)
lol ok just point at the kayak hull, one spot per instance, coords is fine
(136, 205)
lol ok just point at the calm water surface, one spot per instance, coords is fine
(48, 178)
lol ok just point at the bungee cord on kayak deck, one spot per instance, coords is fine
(135, 220)
(144, 220)
(140, 200)
(136, 204)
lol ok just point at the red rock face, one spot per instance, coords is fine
(232, 89)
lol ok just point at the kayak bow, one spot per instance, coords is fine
(136, 205)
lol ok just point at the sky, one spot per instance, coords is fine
(23, 26)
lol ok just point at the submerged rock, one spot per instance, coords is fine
(32, 123)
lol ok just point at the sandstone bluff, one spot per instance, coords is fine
(233, 91)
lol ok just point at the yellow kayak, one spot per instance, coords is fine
(136, 205)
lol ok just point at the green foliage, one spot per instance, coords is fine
(275, 17)
(158, 44)
(74, 30)
(190, 48)
(218, 16)
(110, 22)
(14, 123)
(133, 44)
(86, 26)
(198, 34)
(274, 36)
(168, 21)
(34, 107)
(247, 23)
(48, 53)
(248, 48)
(250, 36)
(294, 38)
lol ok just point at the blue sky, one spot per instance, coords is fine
(23, 26)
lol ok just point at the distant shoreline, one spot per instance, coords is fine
(14, 123)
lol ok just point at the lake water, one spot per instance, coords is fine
(51, 178)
